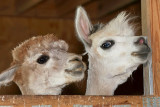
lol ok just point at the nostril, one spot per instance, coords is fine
(141, 41)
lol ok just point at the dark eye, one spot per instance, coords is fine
(42, 59)
(107, 44)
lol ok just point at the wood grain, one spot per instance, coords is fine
(154, 9)
(147, 75)
(153, 30)
(60, 8)
(71, 101)
(22, 6)
(7, 7)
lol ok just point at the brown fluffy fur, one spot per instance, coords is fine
(20, 51)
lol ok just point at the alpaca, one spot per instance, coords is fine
(113, 50)
(42, 66)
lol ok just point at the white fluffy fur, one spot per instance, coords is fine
(121, 25)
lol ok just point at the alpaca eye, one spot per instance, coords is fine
(107, 44)
(42, 59)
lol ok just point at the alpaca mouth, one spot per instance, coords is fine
(143, 55)
(139, 53)
(77, 70)
(143, 52)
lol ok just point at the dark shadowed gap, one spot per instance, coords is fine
(134, 84)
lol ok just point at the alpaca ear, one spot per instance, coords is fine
(83, 26)
(8, 75)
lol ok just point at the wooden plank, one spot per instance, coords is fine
(22, 6)
(7, 7)
(134, 9)
(153, 26)
(57, 9)
(79, 101)
(66, 9)
(147, 74)
(72, 101)
(100, 8)
(69, 5)
(60, 8)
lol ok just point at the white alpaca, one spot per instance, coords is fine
(114, 52)
(42, 66)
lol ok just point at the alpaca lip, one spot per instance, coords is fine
(144, 51)
(139, 53)
(73, 72)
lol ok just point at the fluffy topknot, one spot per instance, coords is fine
(22, 49)
(121, 24)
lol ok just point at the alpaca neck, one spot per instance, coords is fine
(99, 84)
(99, 81)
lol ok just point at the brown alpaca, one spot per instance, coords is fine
(113, 50)
(42, 66)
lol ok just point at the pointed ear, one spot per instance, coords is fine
(83, 26)
(8, 75)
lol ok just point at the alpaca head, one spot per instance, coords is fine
(42, 65)
(113, 47)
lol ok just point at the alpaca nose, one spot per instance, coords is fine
(141, 41)
(75, 58)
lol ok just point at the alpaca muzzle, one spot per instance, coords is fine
(144, 49)
(78, 69)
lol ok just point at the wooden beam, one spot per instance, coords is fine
(147, 74)
(71, 101)
(100, 8)
(151, 27)
(66, 9)
(133, 8)
(7, 7)
(79, 101)
(63, 8)
(69, 5)
(58, 9)
(24, 5)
